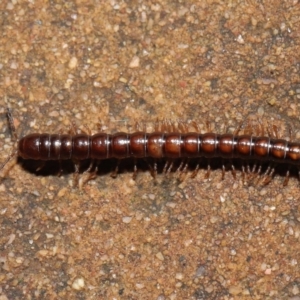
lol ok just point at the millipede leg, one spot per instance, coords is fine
(208, 126)
(276, 131)
(269, 131)
(157, 125)
(153, 169)
(260, 129)
(134, 170)
(253, 168)
(88, 174)
(195, 126)
(267, 171)
(186, 165)
(76, 173)
(236, 132)
(170, 167)
(269, 176)
(182, 169)
(255, 174)
(87, 128)
(137, 126)
(243, 173)
(256, 170)
(114, 174)
(179, 169)
(248, 128)
(195, 172)
(73, 128)
(93, 174)
(90, 166)
(233, 171)
(41, 166)
(251, 172)
(60, 168)
(207, 175)
(223, 170)
(100, 126)
(167, 163)
(182, 127)
(287, 177)
(248, 170)
(291, 132)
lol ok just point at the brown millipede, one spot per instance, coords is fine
(169, 143)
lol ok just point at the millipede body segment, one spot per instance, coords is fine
(170, 145)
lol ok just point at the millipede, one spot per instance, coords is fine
(167, 141)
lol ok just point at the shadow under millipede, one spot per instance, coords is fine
(107, 167)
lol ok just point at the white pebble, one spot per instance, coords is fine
(268, 271)
(78, 284)
(213, 219)
(171, 204)
(9, 6)
(14, 65)
(222, 199)
(135, 62)
(261, 111)
(240, 39)
(73, 62)
(294, 262)
(126, 220)
(19, 260)
(151, 196)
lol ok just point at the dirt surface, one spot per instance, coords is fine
(117, 63)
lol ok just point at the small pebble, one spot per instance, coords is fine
(2, 188)
(135, 62)
(14, 65)
(268, 271)
(213, 219)
(73, 62)
(200, 271)
(126, 220)
(49, 235)
(171, 204)
(240, 39)
(9, 6)
(151, 196)
(160, 256)
(235, 290)
(43, 252)
(19, 260)
(78, 284)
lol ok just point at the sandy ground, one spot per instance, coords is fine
(120, 62)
